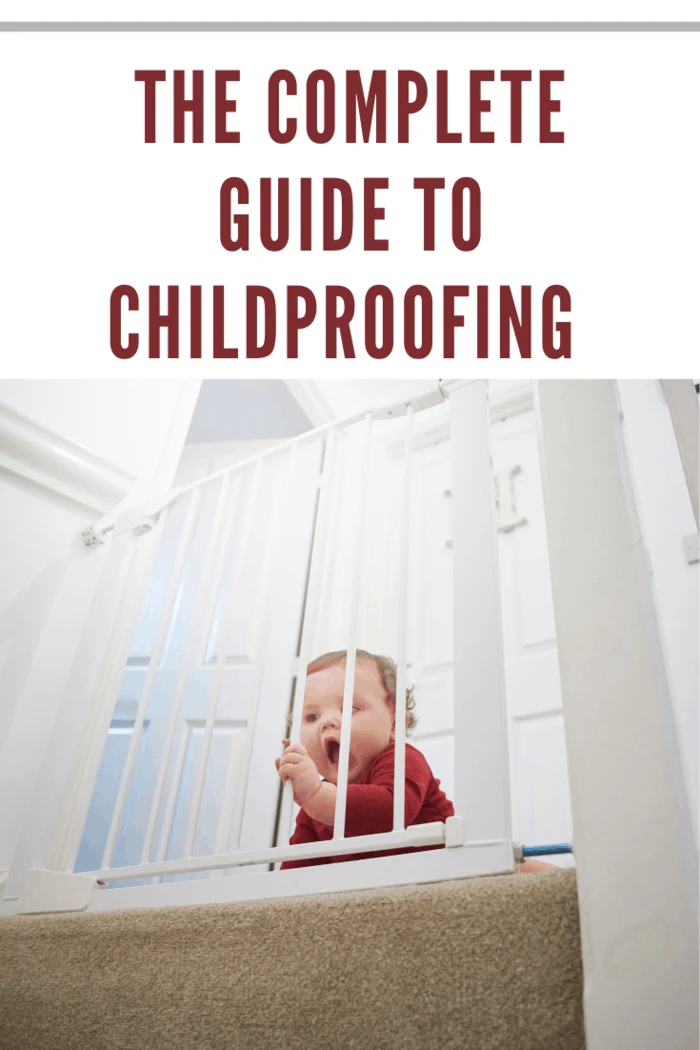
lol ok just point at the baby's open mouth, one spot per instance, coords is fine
(332, 751)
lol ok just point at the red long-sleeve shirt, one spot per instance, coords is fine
(370, 807)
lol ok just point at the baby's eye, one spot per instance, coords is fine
(310, 717)
(356, 707)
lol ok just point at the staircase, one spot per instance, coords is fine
(474, 964)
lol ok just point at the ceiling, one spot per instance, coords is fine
(245, 410)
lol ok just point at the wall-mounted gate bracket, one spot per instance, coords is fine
(54, 891)
(138, 519)
(454, 832)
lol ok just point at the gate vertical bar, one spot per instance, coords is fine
(482, 794)
(309, 621)
(636, 866)
(400, 702)
(346, 719)
(283, 498)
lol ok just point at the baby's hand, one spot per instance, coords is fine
(295, 765)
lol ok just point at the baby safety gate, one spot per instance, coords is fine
(155, 849)
(296, 482)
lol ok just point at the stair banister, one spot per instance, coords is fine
(637, 870)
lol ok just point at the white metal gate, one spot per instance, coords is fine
(192, 723)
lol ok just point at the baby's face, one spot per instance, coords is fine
(372, 719)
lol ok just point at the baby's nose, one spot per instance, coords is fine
(331, 718)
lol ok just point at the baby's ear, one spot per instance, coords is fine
(392, 735)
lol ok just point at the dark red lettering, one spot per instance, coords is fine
(379, 291)
(331, 243)
(315, 133)
(548, 105)
(458, 214)
(280, 76)
(563, 328)
(339, 323)
(414, 293)
(521, 324)
(182, 105)
(482, 320)
(150, 78)
(443, 135)
(305, 214)
(364, 106)
(220, 348)
(478, 105)
(224, 105)
(196, 320)
(297, 293)
(372, 214)
(405, 107)
(122, 291)
(516, 78)
(240, 222)
(450, 320)
(429, 186)
(169, 321)
(270, 243)
(253, 293)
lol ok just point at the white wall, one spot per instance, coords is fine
(47, 576)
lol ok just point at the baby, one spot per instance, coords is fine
(370, 798)
(370, 801)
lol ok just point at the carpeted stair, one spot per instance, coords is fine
(474, 964)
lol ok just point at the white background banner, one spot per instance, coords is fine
(609, 216)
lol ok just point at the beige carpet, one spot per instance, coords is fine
(475, 964)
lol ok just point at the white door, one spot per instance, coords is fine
(539, 780)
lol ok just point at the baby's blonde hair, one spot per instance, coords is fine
(387, 672)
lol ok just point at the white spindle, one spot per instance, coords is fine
(309, 620)
(358, 520)
(482, 795)
(161, 633)
(285, 489)
(198, 626)
(400, 706)
(225, 627)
